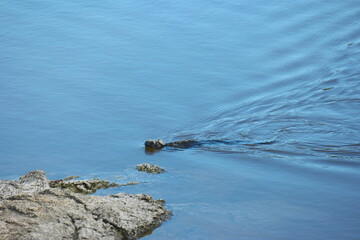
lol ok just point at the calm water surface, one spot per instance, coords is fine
(84, 83)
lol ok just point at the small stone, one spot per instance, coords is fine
(145, 167)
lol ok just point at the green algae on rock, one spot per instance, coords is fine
(70, 178)
(85, 186)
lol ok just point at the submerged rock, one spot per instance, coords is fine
(145, 167)
(30, 209)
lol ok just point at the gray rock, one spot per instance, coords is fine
(145, 167)
(33, 181)
(48, 213)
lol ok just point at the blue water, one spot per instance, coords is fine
(83, 84)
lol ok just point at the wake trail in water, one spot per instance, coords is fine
(315, 117)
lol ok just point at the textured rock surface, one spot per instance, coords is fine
(85, 186)
(145, 167)
(50, 213)
(33, 181)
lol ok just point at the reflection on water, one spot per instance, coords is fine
(83, 84)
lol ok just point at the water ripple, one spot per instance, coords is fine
(312, 108)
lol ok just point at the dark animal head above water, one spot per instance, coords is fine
(154, 144)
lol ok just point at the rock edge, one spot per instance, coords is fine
(30, 209)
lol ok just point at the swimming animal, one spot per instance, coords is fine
(157, 144)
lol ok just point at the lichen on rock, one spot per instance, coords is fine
(82, 186)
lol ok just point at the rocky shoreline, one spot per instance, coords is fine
(34, 207)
